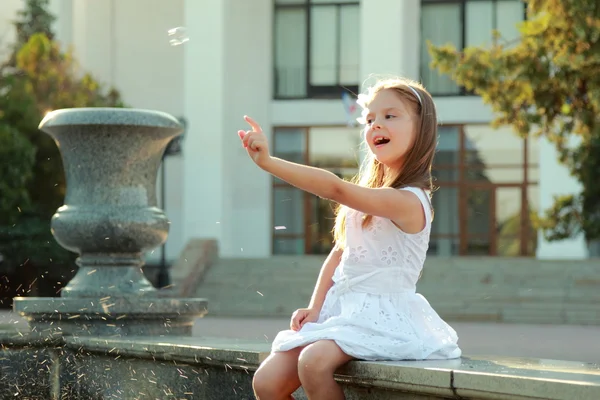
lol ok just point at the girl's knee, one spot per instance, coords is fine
(264, 384)
(277, 376)
(313, 363)
(267, 384)
(319, 361)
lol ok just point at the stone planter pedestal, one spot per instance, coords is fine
(110, 218)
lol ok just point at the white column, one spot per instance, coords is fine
(204, 72)
(410, 50)
(390, 38)
(389, 41)
(555, 180)
(8, 14)
(92, 38)
(63, 25)
(249, 63)
(227, 74)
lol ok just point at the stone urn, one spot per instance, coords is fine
(110, 219)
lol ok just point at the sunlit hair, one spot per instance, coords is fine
(416, 169)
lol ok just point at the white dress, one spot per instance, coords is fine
(372, 311)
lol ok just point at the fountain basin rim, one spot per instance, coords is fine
(109, 116)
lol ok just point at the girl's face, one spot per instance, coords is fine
(390, 128)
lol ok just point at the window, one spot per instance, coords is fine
(488, 192)
(463, 23)
(316, 48)
(486, 180)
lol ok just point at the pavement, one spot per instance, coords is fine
(556, 342)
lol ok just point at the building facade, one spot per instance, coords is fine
(287, 64)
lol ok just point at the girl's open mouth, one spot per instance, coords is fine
(379, 141)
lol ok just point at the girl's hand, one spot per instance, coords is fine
(255, 142)
(302, 316)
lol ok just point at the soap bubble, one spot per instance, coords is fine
(178, 36)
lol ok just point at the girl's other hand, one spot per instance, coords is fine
(255, 142)
(302, 316)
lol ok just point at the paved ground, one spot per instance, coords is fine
(559, 342)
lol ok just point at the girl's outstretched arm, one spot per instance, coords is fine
(317, 181)
(402, 207)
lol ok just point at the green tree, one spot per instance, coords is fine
(32, 19)
(546, 82)
(16, 170)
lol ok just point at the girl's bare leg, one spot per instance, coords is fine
(277, 377)
(316, 365)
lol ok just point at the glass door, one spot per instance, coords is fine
(289, 210)
(495, 221)
(477, 214)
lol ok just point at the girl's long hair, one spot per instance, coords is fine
(416, 169)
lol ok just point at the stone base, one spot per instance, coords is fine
(110, 316)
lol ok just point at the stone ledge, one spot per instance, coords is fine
(469, 377)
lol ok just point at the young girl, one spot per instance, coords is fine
(364, 305)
